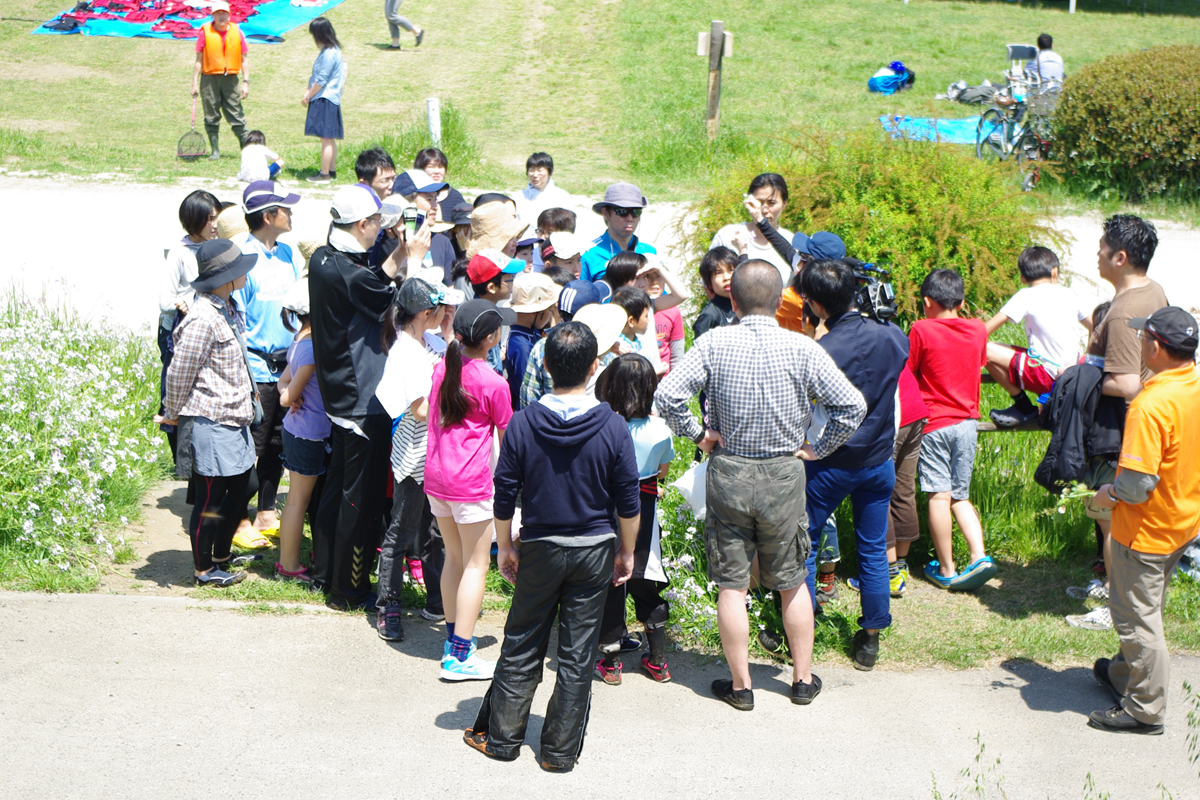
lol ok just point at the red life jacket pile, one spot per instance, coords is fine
(169, 16)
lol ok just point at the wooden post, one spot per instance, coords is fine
(716, 48)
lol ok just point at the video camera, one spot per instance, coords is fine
(874, 295)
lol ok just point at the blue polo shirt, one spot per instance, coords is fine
(262, 301)
(871, 354)
(594, 262)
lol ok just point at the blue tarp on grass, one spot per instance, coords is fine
(270, 23)
(950, 131)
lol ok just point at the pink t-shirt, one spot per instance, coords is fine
(458, 459)
(668, 328)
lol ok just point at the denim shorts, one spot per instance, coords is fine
(304, 456)
(948, 459)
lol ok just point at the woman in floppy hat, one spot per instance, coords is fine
(210, 395)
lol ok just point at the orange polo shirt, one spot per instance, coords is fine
(1162, 437)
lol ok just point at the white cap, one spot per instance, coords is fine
(565, 244)
(353, 203)
(453, 297)
(296, 298)
(218, 5)
(434, 276)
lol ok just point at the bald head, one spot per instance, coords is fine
(755, 288)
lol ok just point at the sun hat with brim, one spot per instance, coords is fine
(577, 294)
(220, 261)
(476, 319)
(416, 295)
(295, 299)
(232, 222)
(605, 322)
(1170, 325)
(354, 203)
(621, 195)
(533, 292)
(493, 226)
(821, 245)
(487, 264)
(412, 181)
(262, 195)
(307, 247)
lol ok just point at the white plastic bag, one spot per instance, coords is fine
(691, 485)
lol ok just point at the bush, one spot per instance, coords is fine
(910, 206)
(467, 167)
(1130, 126)
(77, 444)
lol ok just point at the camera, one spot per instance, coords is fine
(875, 297)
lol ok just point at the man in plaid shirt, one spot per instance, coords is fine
(761, 382)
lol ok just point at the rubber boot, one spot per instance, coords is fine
(216, 151)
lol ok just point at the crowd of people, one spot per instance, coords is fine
(441, 376)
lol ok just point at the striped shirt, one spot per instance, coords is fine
(408, 442)
(208, 376)
(761, 382)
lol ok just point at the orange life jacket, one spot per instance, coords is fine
(217, 59)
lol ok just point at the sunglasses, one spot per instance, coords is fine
(626, 212)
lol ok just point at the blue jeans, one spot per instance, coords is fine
(870, 492)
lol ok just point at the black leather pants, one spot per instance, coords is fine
(572, 582)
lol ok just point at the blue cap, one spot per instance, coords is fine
(415, 180)
(577, 294)
(820, 245)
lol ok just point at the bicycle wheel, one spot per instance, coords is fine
(1031, 152)
(991, 136)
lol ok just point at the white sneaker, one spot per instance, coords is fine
(473, 669)
(1095, 590)
(1098, 619)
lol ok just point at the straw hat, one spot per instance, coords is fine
(232, 222)
(307, 247)
(493, 226)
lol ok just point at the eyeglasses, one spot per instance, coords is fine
(626, 212)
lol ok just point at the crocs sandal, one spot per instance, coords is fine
(974, 576)
(300, 576)
(272, 531)
(933, 573)
(252, 541)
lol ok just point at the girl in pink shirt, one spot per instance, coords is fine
(469, 405)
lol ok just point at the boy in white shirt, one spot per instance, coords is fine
(1050, 314)
(258, 163)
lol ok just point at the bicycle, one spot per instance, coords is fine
(1018, 124)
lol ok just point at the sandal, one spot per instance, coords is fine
(219, 578)
(934, 574)
(300, 576)
(272, 531)
(974, 576)
(250, 541)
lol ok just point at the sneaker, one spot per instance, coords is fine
(478, 741)
(630, 643)
(219, 578)
(420, 37)
(610, 675)
(865, 650)
(804, 693)
(1011, 417)
(433, 613)
(826, 588)
(1100, 670)
(1118, 720)
(897, 584)
(473, 669)
(658, 672)
(320, 177)
(388, 623)
(741, 699)
(341, 603)
(1095, 590)
(774, 644)
(1098, 619)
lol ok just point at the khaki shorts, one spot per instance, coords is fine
(756, 506)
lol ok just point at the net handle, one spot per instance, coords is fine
(193, 112)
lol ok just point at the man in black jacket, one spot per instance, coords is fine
(872, 355)
(349, 301)
(571, 459)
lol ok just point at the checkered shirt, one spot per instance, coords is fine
(761, 382)
(536, 381)
(208, 376)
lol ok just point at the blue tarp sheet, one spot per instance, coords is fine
(921, 129)
(270, 23)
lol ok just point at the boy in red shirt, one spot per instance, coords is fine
(946, 353)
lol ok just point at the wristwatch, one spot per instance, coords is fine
(700, 438)
(1112, 496)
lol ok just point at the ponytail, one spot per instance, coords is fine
(453, 402)
(393, 321)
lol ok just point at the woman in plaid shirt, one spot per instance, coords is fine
(210, 393)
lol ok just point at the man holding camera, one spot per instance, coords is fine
(871, 354)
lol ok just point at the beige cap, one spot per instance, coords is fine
(533, 292)
(605, 322)
(232, 222)
(493, 226)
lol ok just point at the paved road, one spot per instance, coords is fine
(148, 697)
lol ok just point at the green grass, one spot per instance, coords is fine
(613, 90)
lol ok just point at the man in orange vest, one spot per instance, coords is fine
(220, 55)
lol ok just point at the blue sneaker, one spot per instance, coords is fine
(446, 647)
(974, 576)
(933, 573)
(473, 669)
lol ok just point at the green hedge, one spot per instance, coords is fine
(912, 206)
(1129, 125)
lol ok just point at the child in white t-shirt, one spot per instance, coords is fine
(258, 163)
(1051, 315)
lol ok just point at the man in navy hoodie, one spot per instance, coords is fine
(571, 459)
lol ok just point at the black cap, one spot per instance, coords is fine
(475, 319)
(220, 261)
(1171, 326)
